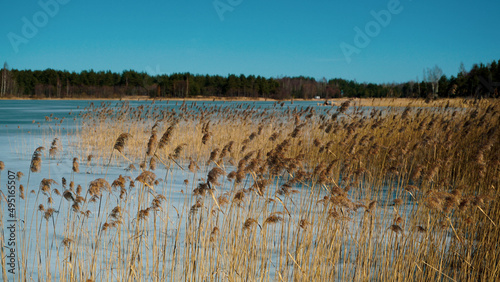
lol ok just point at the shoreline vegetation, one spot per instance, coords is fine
(224, 192)
(334, 102)
(481, 81)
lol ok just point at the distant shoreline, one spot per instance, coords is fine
(147, 98)
(376, 102)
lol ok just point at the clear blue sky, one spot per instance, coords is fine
(268, 38)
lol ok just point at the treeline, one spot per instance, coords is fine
(480, 81)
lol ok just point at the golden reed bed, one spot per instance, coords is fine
(227, 193)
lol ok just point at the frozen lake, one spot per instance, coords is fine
(103, 244)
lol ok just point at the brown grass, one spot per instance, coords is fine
(343, 194)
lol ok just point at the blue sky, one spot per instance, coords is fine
(267, 38)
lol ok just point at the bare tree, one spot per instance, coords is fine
(58, 88)
(5, 71)
(418, 84)
(433, 75)
(462, 70)
(411, 84)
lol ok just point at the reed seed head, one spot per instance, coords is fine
(76, 168)
(36, 161)
(120, 142)
(151, 144)
(97, 186)
(272, 219)
(249, 223)
(146, 178)
(396, 228)
(213, 176)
